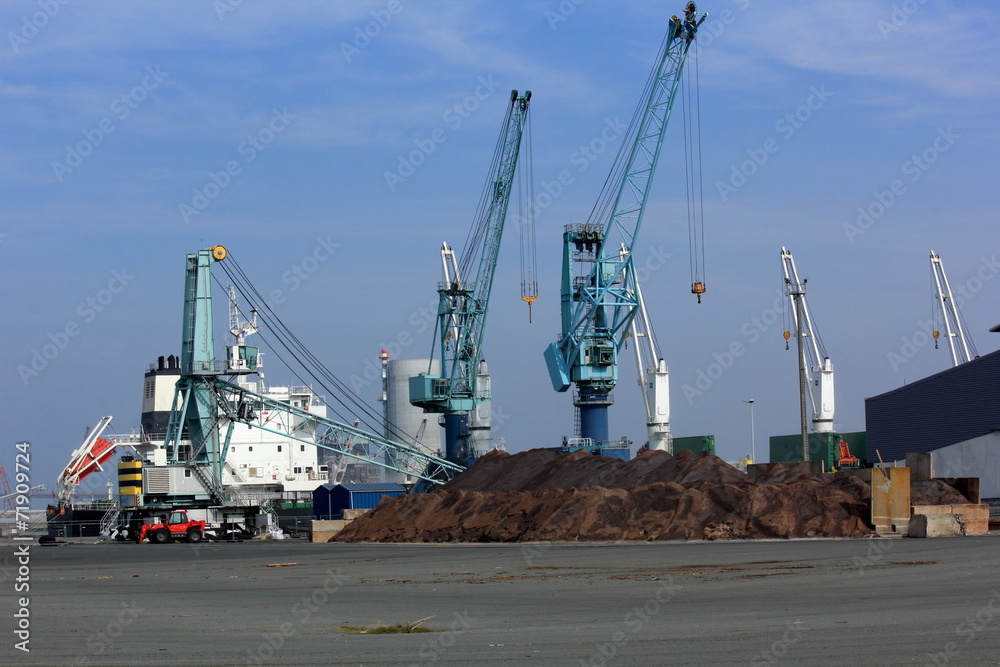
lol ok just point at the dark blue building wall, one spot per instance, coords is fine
(330, 500)
(955, 405)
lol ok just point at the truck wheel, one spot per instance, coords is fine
(194, 536)
(160, 536)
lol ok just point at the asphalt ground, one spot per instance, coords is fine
(794, 602)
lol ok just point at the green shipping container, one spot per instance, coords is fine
(696, 443)
(822, 447)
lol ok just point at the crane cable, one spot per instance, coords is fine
(311, 365)
(526, 223)
(694, 185)
(474, 241)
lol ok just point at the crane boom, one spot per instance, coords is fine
(821, 386)
(463, 304)
(598, 309)
(959, 341)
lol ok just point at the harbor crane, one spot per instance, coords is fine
(206, 406)
(813, 357)
(959, 341)
(462, 388)
(598, 306)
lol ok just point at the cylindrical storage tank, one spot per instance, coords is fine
(481, 419)
(404, 417)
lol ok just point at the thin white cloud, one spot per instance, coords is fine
(931, 50)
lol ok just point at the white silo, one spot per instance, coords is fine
(481, 419)
(404, 420)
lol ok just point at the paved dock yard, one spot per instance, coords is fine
(808, 602)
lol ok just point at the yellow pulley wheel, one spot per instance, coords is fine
(219, 252)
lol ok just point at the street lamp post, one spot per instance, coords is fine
(753, 447)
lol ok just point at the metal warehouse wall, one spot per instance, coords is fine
(955, 405)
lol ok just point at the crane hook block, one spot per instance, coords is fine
(219, 252)
(698, 289)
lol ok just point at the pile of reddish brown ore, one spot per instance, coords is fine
(545, 495)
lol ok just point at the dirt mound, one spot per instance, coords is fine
(935, 492)
(541, 469)
(549, 496)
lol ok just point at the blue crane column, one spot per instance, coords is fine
(195, 412)
(463, 304)
(598, 307)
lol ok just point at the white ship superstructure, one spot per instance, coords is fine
(266, 458)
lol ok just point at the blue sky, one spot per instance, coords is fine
(285, 118)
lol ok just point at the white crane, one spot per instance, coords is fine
(821, 384)
(654, 378)
(962, 349)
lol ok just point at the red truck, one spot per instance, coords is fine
(177, 527)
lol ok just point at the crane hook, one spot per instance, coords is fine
(698, 289)
(787, 335)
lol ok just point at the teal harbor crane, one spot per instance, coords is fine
(460, 389)
(206, 405)
(598, 307)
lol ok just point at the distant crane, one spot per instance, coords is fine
(654, 379)
(959, 341)
(598, 306)
(812, 356)
(463, 385)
